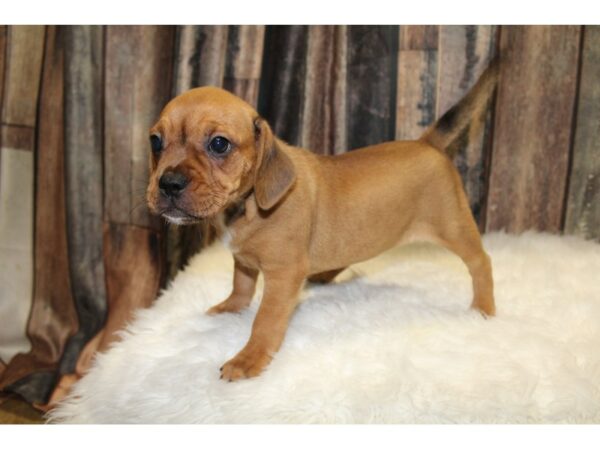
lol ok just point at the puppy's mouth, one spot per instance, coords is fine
(178, 216)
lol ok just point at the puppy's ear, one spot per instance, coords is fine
(276, 173)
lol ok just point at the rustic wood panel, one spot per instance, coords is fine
(282, 89)
(372, 66)
(416, 80)
(84, 173)
(25, 47)
(199, 56)
(244, 60)
(419, 37)
(534, 111)
(137, 86)
(583, 202)
(464, 53)
(324, 111)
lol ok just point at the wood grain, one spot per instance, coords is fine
(282, 88)
(84, 174)
(324, 109)
(372, 66)
(199, 56)
(583, 201)
(138, 85)
(419, 37)
(534, 112)
(25, 47)
(244, 61)
(416, 80)
(464, 53)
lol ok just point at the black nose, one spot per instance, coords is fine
(172, 183)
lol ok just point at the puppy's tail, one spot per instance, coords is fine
(469, 111)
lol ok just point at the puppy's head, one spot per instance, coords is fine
(209, 149)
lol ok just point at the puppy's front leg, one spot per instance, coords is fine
(268, 330)
(244, 285)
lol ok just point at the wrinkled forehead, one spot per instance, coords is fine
(194, 113)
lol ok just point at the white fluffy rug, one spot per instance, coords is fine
(394, 344)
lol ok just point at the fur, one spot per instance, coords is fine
(391, 342)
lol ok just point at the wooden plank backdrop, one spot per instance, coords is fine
(77, 102)
(324, 111)
(372, 56)
(532, 132)
(284, 77)
(583, 203)
(416, 90)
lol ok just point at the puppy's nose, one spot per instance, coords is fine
(172, 183)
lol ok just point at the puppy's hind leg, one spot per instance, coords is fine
(469, 248)
(244, 285)
(461, 236)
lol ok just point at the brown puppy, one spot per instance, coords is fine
(292, 214)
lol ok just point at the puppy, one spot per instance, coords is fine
(293, 215)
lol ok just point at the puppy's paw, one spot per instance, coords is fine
(231, 305)
(246, 364)
(486, 309)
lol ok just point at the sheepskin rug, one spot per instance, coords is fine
(392, 341)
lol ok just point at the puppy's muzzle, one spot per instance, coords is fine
(172, 184)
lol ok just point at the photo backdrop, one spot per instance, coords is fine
(78, 248)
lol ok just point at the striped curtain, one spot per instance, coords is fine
(79, 251)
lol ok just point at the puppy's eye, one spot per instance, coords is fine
(219, 145)
(156, 143)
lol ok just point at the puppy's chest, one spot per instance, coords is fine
(227, 240)
(232, 242)
(239, 237)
